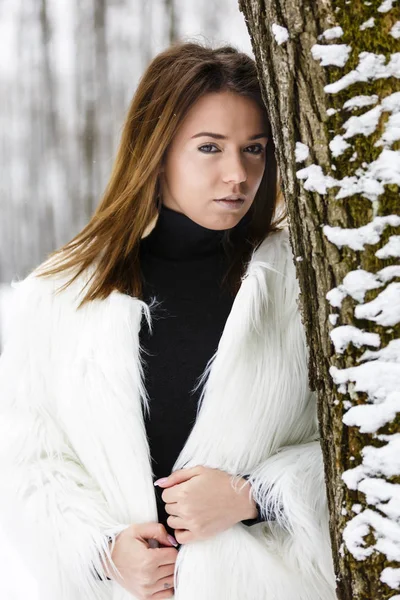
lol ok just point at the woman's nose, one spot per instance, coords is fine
(234, 170)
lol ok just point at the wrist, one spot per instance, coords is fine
(248, 506)
(253, 514)
(106, 563)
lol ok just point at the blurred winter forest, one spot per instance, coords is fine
(68, 70)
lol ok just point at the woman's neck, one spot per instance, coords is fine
(177, 237)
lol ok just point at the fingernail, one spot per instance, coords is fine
(172, 540)
(160, 480)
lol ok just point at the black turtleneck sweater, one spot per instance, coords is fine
(182, 266)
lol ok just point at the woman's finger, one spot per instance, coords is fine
(176, 522)
(165, 571)
(170, 494)
(167, 583)
(172, 509)
(162, 595)
(165, 556)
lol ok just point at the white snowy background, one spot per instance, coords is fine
(68, 70)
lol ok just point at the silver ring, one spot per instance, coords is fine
(166, 585)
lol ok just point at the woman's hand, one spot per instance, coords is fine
(202, 502)
(146, 572)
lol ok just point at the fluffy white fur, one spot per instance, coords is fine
(74, 455)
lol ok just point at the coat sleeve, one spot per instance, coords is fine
(291, 485)
(261, 514)
(290, 482)
(54, 511)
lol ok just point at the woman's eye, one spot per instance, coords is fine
(207, 146)
(258, 148)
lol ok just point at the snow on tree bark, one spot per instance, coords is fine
(330, 75)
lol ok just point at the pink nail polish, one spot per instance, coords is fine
(172, 540)
(160, 480)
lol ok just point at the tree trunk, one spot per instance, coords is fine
(170, 9)
(329, 74)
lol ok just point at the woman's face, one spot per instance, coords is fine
(218, 151)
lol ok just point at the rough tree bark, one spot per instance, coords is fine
(330, 72)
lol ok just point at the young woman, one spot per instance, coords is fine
(159, 438)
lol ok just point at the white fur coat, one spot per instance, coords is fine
(74, 457)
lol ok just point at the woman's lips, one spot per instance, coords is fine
(230, 203)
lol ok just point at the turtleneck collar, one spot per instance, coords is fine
(175, 236)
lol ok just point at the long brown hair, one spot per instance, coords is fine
(174, 80)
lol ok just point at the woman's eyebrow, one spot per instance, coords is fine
(219, 136)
